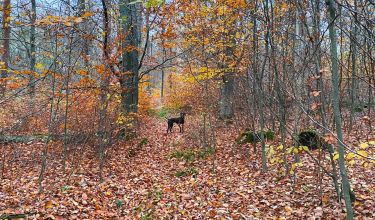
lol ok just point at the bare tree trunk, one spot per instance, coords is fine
(131, 23)
(227, 88)
(353, 92)
(260, 88)
(4, 63)
(32, 53)
(255, 68)
(131, 26)
(82, 6)
(336, 108)
(103, 131)
(164, 56)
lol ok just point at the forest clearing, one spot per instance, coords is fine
(187, 109)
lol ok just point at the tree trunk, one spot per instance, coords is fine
(227, 88)
(226, 102)
(353, 92)
(336, 108)
(4, 63)
(103, 104)
(32, 53)
(131, 26)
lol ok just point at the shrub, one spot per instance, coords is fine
(249, 136)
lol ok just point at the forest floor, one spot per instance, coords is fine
(157, 181)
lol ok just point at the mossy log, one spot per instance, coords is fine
(252, 137)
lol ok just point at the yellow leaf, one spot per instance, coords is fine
(39, 66)
(363, 145)
(295, 150)
(108, 193)
(362, 153)
(336, 156)
(289, 151)
(238, 35)
(280, 147)
(371, 142)
(350, 156)
(222, 10)
(352, 162)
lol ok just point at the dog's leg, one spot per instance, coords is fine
(180, 128)
(170, 125)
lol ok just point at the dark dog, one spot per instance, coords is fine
(180, 121)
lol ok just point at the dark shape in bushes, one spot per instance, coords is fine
(313, 140)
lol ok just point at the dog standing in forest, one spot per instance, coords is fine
(180, 121)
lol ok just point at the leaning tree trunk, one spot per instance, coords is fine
(336, 109)
(4, 62)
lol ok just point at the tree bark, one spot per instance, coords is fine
(4, 64)
(336, 108)
(227, 88)
(353, 92)
(32, 53)
(131, 26)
